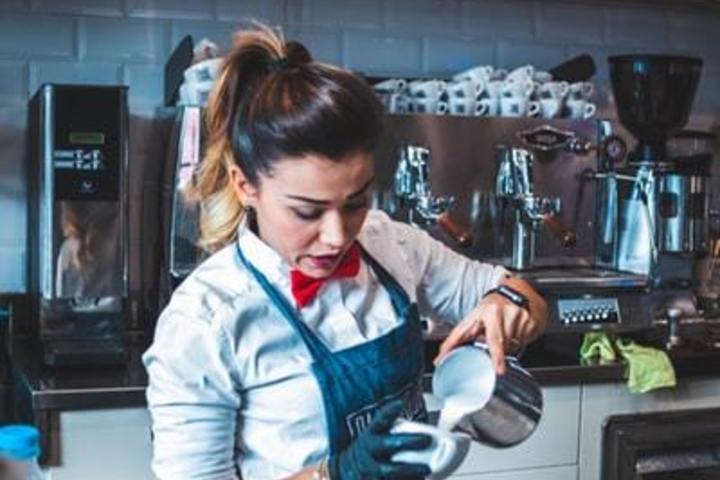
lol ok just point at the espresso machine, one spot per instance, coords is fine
(78, 223)
(517, 193)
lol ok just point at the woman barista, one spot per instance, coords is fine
(294, 347)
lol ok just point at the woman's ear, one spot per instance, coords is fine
(245, 191)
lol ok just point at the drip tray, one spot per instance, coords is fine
(583, 278)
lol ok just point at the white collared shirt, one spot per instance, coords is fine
(230, 382)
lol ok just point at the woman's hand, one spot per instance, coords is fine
(504, 326)
(369, 456)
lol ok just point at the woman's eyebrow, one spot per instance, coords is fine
(316, 201)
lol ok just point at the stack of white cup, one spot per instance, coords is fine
(428, 96)
(486, 91)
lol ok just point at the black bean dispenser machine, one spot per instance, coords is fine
(78, 223)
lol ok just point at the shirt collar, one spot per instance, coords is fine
(262, 256)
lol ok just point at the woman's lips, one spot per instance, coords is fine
(324, 262)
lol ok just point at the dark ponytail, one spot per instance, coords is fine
(272, 101)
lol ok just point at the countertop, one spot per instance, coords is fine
(553, 361)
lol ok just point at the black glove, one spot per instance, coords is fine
(369, 455)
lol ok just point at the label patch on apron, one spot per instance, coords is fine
(414, 408)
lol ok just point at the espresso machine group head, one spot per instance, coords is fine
(413, 189)
(514, 185)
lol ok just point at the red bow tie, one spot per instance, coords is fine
(305, 288)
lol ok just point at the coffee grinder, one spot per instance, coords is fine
(78, 227)
(654, 213)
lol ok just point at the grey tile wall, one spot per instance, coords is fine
(127, 41)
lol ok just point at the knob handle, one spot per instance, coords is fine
(454, 230)
(566, 235)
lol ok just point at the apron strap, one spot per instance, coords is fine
(398, 296)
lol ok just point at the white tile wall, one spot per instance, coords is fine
(128, 41)
(563, 23)
(44, 71)
(535, 52)
(505, 19)
(13, 81)
(440, 17)
(444, 56)
(374, 54)
(125, 39)
(356, 14)
(44, 36)
(269, 11)
(80, 7)
(645, 28)
(192, 9)
(145, 81)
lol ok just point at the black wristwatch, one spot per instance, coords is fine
(511, 294)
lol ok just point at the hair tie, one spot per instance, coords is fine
(280, 64)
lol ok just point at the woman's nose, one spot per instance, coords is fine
(333, 231)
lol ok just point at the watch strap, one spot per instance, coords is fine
(511, 294)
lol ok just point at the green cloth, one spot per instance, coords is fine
(597, 348)
(646, 368)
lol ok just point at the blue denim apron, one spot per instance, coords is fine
(357, 381)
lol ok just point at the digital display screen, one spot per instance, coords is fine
(87, 138)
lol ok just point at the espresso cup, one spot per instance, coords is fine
(517, 88)
(396, 102)
(580, 109)
(464, 107)
(518, 107)
(482, 107)
(429, 106)
(494, 88)
(550, 107)
(427, 88)
(391, 85)
(481, 73)
(582, 90)
(487, 106)
(556, 90)
(465, 89)
(522, 74)
(498, 74)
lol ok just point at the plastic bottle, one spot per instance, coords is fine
(19, 451)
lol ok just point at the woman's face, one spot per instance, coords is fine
(310, 209)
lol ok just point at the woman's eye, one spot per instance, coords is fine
(307, 214)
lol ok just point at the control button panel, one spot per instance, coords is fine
(580, 311)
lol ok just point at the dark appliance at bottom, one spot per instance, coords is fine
(662, 446)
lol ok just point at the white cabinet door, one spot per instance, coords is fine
(553, 443)
(104, 444)
(553, 473)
